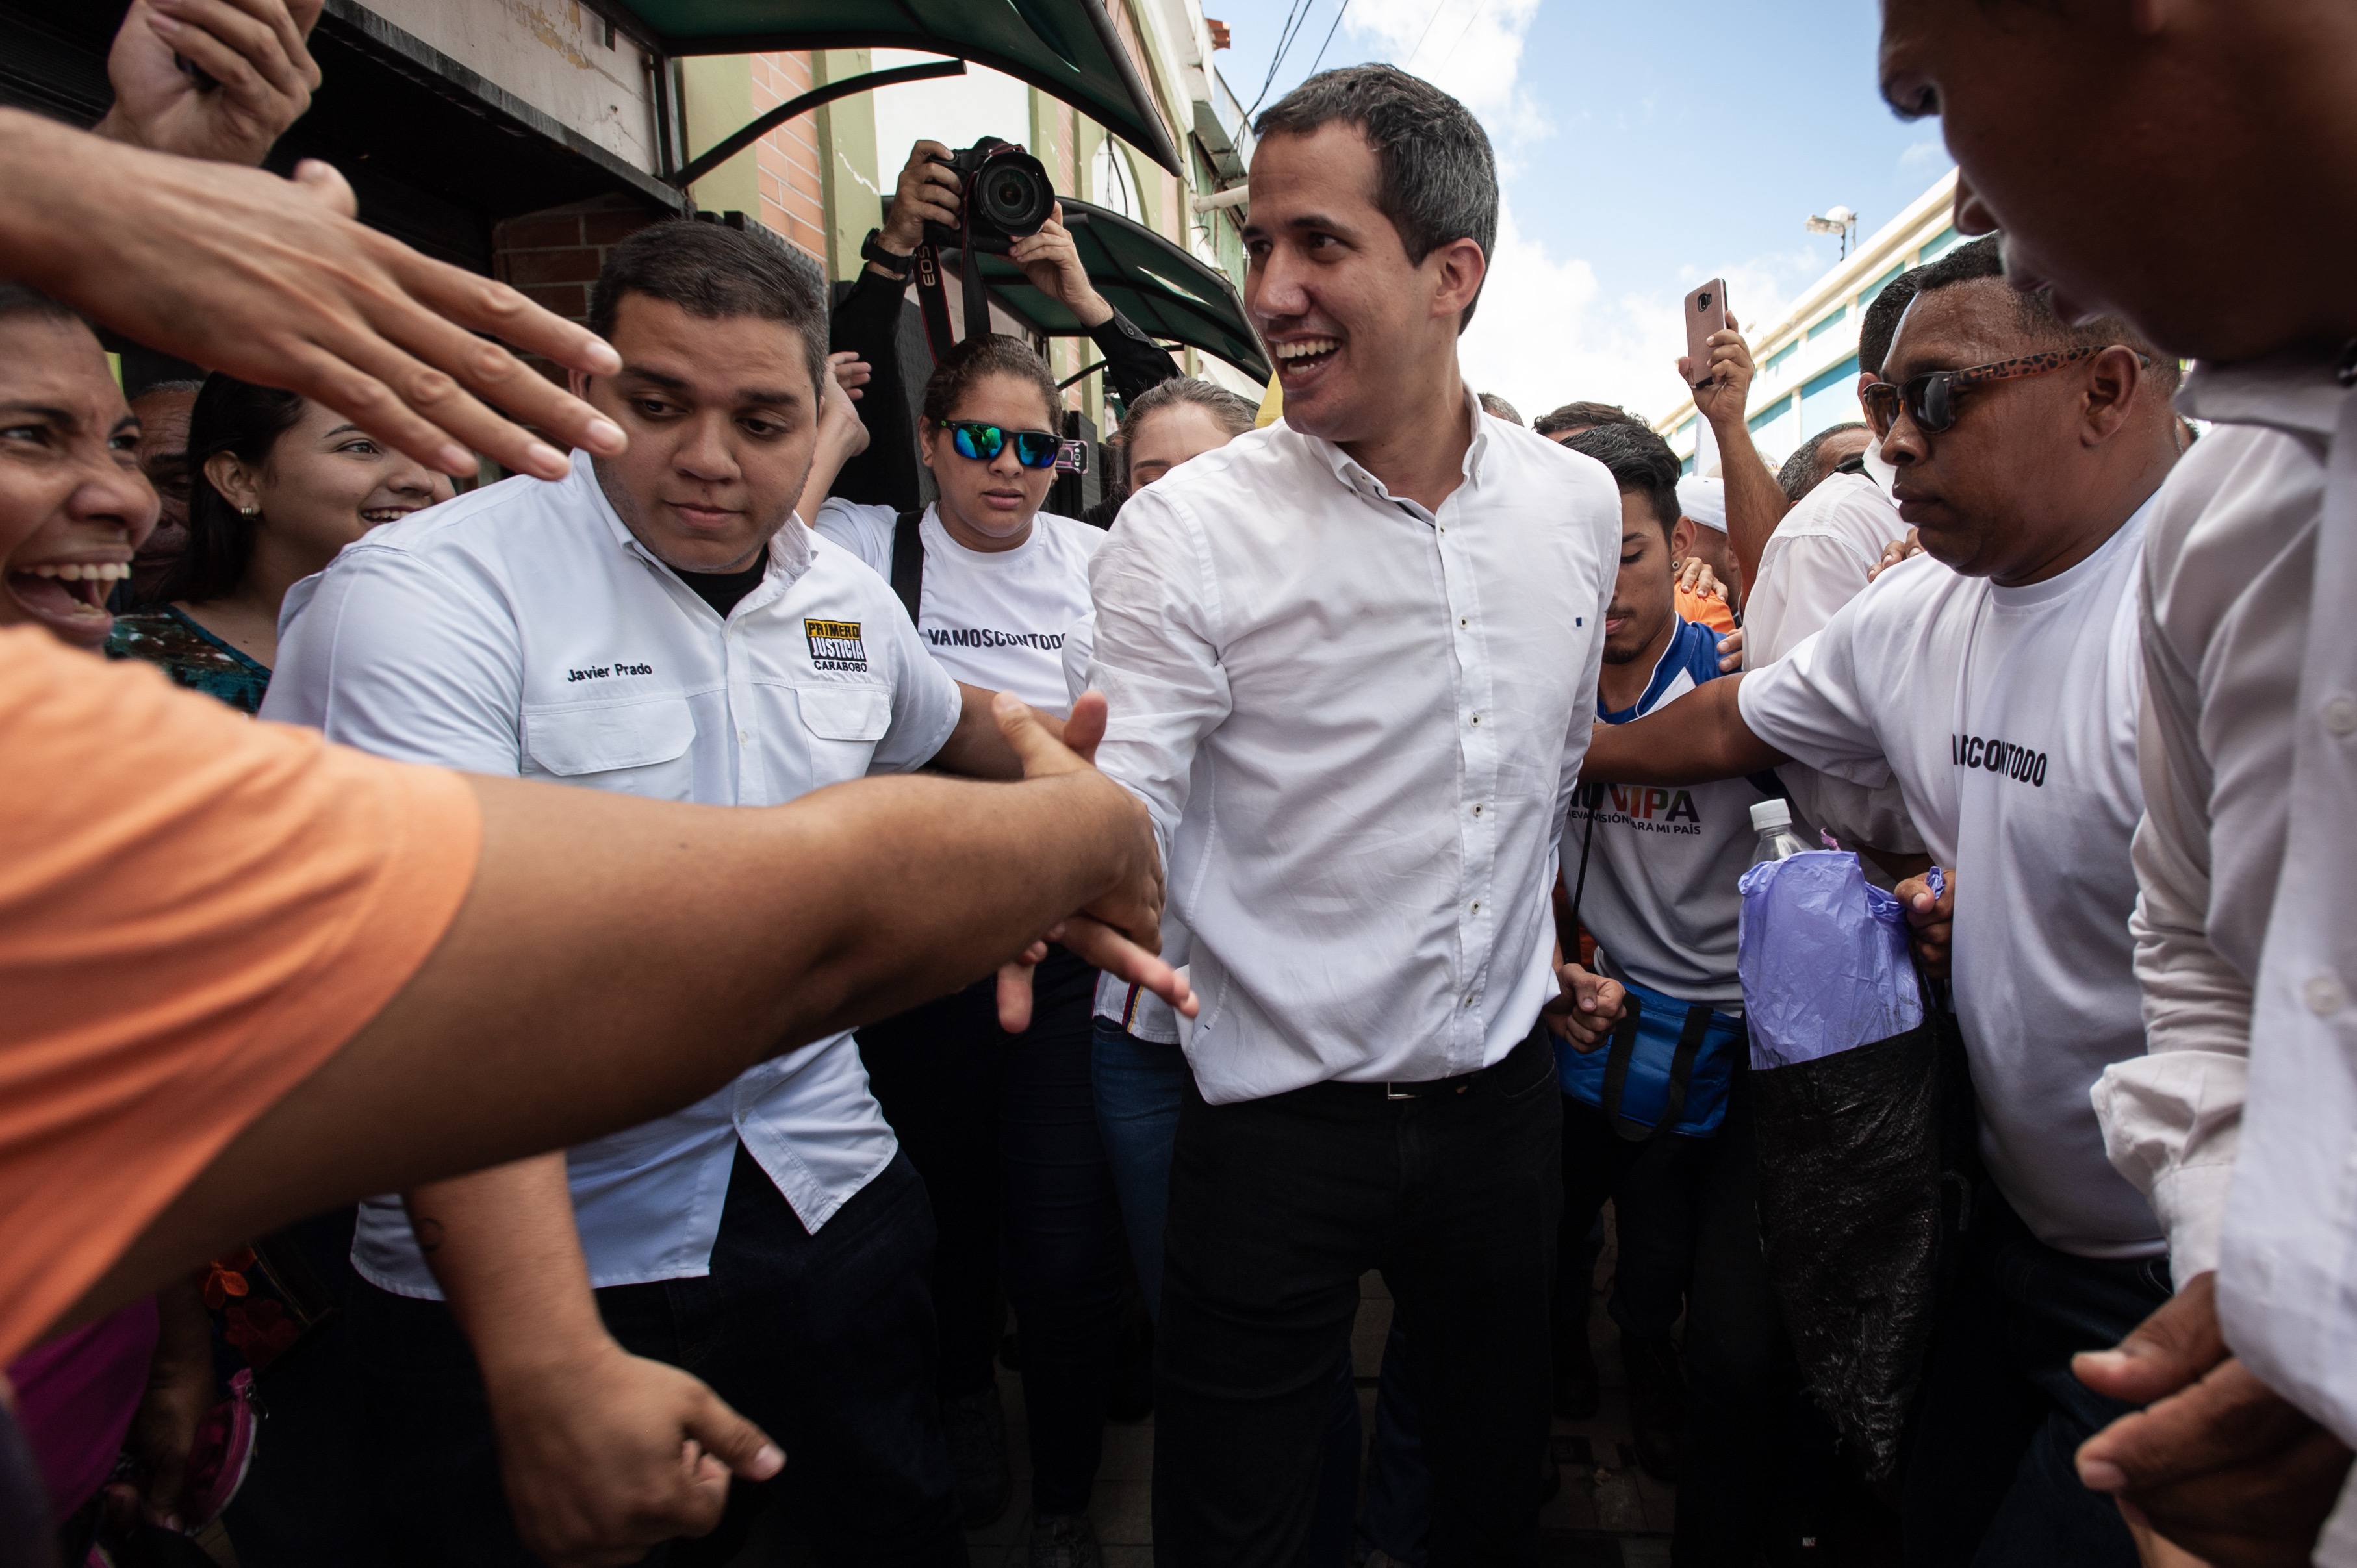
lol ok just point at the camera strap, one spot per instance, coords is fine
(933, 299)
(932, 303)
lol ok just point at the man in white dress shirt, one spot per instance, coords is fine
(2225, 231)
(1352, 660)
(657, 624)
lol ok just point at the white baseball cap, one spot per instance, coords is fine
(1704, 499)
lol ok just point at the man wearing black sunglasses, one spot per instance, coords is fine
(1997, 683)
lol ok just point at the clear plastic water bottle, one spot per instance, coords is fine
(1772, 819)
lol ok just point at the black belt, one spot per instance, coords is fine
(1437, 1088)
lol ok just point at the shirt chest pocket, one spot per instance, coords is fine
(632, 748)
(844, 723)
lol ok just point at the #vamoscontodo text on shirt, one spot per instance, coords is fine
(993, 619)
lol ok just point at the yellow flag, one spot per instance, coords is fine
(1272, 405)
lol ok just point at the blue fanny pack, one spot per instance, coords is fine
(1666, 1064)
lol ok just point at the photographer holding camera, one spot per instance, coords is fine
(867, 320)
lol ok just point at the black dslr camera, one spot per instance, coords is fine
(1004, 195)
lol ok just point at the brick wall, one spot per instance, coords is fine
(793, 197)
(554, 255)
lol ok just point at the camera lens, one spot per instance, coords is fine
(1013, 194)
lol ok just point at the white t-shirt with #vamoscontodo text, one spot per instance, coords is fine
(2008, 718)
(995, 619)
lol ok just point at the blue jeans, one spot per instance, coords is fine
(1139, 1086)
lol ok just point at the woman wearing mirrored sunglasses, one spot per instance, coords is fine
(1002, 1127)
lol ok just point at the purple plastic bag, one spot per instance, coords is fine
(1823, 957)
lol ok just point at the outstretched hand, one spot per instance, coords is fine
(273, 281)
(1120, 933)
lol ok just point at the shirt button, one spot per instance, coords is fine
(1463, 620)
(1468, 1001)
(1477, 908)
(2340, 715)
(1477, 810)
(744, 737)
(1477, 718)
(2324, 995)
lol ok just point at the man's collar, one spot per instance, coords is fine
(790, 547)
(1347, 469)
(2300, 389)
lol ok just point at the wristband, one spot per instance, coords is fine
(872, 250)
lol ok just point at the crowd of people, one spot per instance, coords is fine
(543, 1094)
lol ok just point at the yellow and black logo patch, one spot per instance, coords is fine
(835, 645)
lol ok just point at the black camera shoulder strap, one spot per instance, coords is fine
(1623, 1047)
(908, 561)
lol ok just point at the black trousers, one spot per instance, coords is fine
(1004, 1130)
(1991, 1479)
(824, 1341)
(1687, 1218)
(1277, 1205)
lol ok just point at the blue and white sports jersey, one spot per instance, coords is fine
(1661, 897)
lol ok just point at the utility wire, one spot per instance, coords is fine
(1330, 36)
(1293, 18)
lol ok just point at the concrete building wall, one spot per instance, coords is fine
(557, 54)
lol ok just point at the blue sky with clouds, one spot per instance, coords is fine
(1644, 146)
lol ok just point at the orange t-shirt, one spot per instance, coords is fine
(196, 911)
(1707, 608)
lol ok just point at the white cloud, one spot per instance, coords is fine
(1546, 335)
(1929, 154)
(1472, 48)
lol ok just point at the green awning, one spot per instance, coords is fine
(1067, 49)
(1170, 293)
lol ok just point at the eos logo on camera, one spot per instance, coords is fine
(1003, 194)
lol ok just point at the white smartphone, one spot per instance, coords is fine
(1705, 314)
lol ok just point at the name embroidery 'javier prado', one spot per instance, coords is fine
(836, 645)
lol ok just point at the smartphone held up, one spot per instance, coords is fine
(1705, 311)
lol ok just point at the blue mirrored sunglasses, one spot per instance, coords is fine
(984, 443)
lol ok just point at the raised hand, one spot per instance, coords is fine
(1052, 263)
(927, 193)
(257, 76)
(1730, 369)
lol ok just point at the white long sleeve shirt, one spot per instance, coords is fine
(1814, 562)
(1356, 723)
(2246, 861)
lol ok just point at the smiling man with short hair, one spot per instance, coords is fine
(659, 623)
(1352, 658)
